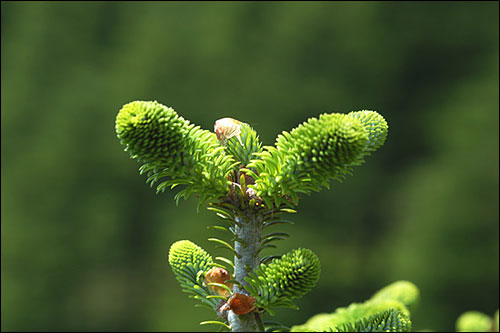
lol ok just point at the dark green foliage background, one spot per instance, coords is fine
(85, 241)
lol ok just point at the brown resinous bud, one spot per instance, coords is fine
(218, 275)
(226, 128)
(240, 304)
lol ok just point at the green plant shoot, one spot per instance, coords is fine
(250, 187)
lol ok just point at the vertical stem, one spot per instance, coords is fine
(250, 232)
(260, 323)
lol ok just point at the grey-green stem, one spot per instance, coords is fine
(249, 231)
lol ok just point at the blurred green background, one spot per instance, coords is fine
(85, 240)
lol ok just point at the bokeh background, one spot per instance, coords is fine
(85, 240)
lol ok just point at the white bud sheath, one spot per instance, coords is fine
(226, 128)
